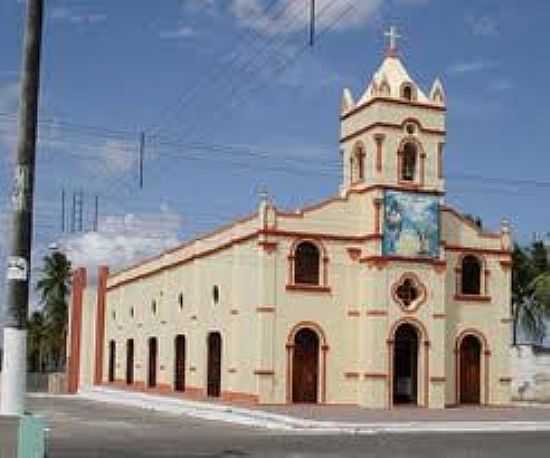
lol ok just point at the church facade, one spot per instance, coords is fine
(379, 296)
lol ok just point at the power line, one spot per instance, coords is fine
(233, 102)
(217, 74)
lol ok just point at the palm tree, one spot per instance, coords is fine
(531, 291)
(54, 288)
(37, 342)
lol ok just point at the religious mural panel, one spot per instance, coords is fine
(411, 224)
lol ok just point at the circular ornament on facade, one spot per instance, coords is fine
(409, 293)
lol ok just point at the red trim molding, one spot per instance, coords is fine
(377, 313)
(471, 298)
(375, 375)
(103, 274)
(354, 253)
(265, 309)
(174, 265)
(238, 397)
(73, 366)
(474, 251)
(394, 101)
(267, 372)
(308, 288)
(414, 260)
(351, 374)
(422, 297)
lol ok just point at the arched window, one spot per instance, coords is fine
(357, 164)
(360, 160)
(471, 275)
(407, 92)
(408, 162)
(307, 264)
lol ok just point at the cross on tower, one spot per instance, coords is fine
(393, 36)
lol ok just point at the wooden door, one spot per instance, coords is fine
(179, 364)
(470, 370)
(153, 354)
(305, 367)
(214, 364)
(130, 361)
(405, 365)
(112, 360)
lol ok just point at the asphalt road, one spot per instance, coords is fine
(92, 430)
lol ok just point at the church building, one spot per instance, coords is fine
(379, 296)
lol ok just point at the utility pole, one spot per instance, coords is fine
(73, 214)
(14, 367)
(96, 213)
(63, 210)
(312, 24)
(80, 211)
(141, 158)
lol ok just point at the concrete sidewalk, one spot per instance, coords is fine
(334, 419)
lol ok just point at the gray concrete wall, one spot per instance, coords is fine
(530, 368)
(44, 383)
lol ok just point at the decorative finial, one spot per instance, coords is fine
(393, 36)
(263, 194)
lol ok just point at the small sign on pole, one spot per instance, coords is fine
(18, 268)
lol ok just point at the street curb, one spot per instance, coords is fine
(283, 423)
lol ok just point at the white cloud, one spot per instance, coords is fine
(124, 240)
(180, 32)
(472, 66)
(251, 13)
(290, 17)
(483, 26)
(71, 16)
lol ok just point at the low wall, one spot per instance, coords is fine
(45, 383)
(530, 368)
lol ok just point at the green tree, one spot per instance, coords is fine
(37, 342)
(530, 291)
(54, 288)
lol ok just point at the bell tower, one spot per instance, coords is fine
(394, 135)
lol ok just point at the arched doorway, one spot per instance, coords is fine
(153, 356)
(405, 365)
(112, 360)
(214, 375)
(179, 363)
(305, 367)
(470, 370)
(130, 361)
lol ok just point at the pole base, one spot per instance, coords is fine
(14, 372)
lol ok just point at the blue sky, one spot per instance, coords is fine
(198, 73)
